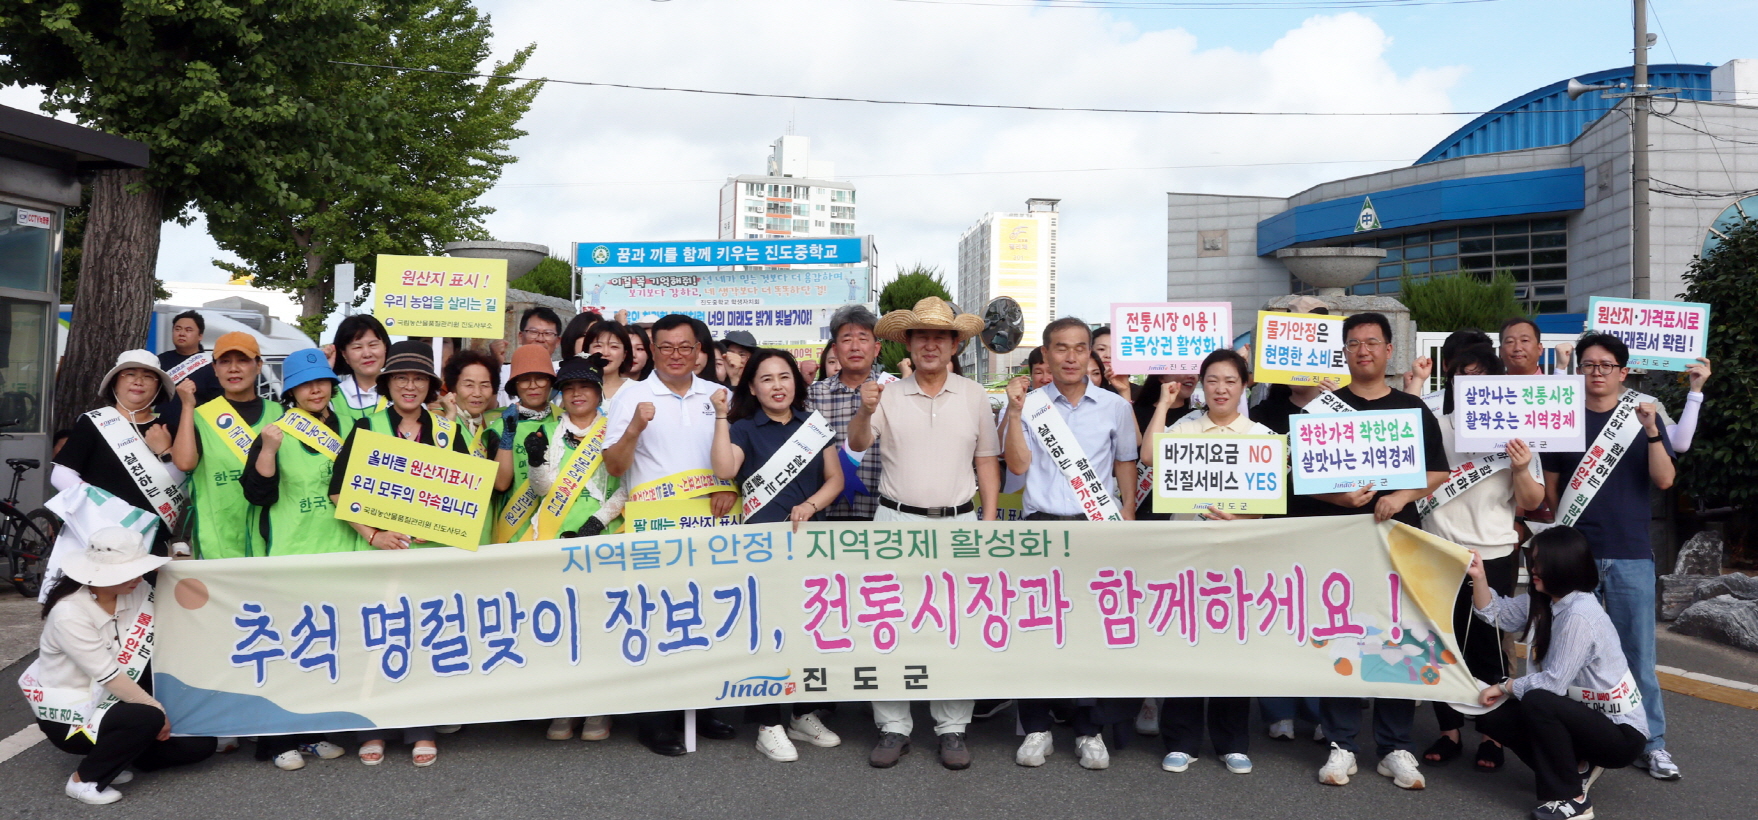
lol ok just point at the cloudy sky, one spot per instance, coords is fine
(608, 164)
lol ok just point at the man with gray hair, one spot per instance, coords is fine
(857, 348)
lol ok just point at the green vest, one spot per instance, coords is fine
(222, 516)
(585, 506)
(303, 521)
(522, 427)
(346, 416)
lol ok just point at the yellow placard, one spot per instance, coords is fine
(675, 514)
(1298, 348)
(1239, 474)
(441, 296)
(417, 489)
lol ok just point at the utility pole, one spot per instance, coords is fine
(1640, 103)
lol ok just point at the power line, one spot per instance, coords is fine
(986, 106)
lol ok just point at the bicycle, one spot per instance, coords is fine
(25, 538)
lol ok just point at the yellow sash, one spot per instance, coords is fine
(311, 432)
(237, 435)
(677, 500)
(570, 483)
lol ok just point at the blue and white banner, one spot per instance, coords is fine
(675, 291)
(718, 253)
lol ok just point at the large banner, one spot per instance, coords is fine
(441, 296)
(756, 614)
(718, 253)
(668, 291)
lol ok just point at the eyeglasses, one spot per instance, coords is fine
(1357, 344)
(544, 335)
(1599, 368)
(677, 350)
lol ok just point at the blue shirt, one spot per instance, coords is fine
(1104, 426)
(759, 437)
(1616, 520)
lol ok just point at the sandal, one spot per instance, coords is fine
(424, 756)
(372, 752)
(1442, 750)
(1489, 757)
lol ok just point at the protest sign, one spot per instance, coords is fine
(836, 612)
(441, 296)
(718, 253)
(1339, 452)
(668, 291)
(1236, 474)
(1167, 337)
(1546, 412)
(417, 489)
(1298, 348)
(1661, 335)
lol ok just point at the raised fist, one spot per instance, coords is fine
(186, 391)
(271, 436)
(870, 397)
(643, 416)
(721, 402)
(1017, 387)
(536, 447)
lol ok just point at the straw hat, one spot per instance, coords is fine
(932, 313)
(115, 555)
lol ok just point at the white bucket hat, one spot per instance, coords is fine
(115, 555)
(142, 359)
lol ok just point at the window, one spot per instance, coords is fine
(778, 224)
(26, 247)
(754, 189)
(839, 195)
(841, 212)
(1532, 251)
(842, 229)
(802, 225)
(754, 222)
(23, 329)
(753, 206)
(802, 192)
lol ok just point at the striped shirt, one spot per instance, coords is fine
(838, 403)
(1584, 649)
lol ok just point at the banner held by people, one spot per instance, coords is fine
(1339, 452)
(1546, 412)
(1239, 474)
(755, 614)
(431, 493)
(1298, 348)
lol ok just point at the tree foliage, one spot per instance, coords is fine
(422, 149)
(1722, 465)
(551, 277)
(1443, 304)
(912, 285)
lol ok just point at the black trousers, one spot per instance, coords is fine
(1181, 724)
(1481, 642)
(128, 735)
(1552, 734)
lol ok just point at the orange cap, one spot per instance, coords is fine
(237, 340)
(529, 359)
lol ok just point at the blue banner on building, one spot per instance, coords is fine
(714, 253)
(668, 291)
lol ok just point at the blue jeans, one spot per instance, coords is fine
(1626, 590)
(1274, 709)
(1392, 719)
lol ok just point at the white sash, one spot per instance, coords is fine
(1435, 401)
(1327, 402)
(787, 462)
(1470, 473)
(1619, 701)
(187, 367)
(85, 709)
(1600, 459)
(146, 470)
(1054, 435)
(1144, 479)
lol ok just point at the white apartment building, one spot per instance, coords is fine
(797, 197)
(1010, 254)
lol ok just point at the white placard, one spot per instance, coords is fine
(1547, 412)
(1167, 337)
(1661, 335)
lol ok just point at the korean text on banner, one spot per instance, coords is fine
(441, 296)
(1167, 337)
(668, 291)
(758, 614)
(417, 489)
(1235, 474)
(716, 253)
(1660, 335)
(1339, 452)
(1298, 348)
(1546, 412)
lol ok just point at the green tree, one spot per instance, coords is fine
(912, 285)
(214, 89)
(437, 143)
(1721, 468)
(551, 277)
(1443, 304)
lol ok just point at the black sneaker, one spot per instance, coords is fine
(953, 753)
(1580, 809)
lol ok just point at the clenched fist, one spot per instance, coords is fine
(1017, 388)
(186, 391)
(271, 437)
(721, 402)
(870, 397)
(643, 416)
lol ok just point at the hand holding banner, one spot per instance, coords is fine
(1298, 348)
(1167, 337)
(1546, 412)
(1236, 474)
(1339, 452)
(417, 489)
(1661, 335)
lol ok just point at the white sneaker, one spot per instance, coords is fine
(595, 727)
(89, 793)
(1282, 730)
(1092, 752)
(225, 745)
(1318, 734)
(1401, 767)
(323, 750)
(560, 729)
(1037, 746)
(1659, 764)
(125, 777)
(1237, 763)
(773, 743)
(1337, 767)
(1147, 721)
(812, 730)
(290, 761)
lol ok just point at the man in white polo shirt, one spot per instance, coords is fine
(658, 438)
(940, 451)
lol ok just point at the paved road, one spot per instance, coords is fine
(509, 770)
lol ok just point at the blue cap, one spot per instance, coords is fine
(303, 366)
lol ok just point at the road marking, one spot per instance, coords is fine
(19, 741)
(1708, 687)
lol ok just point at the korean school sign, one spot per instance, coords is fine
(753, 614)
(714, 253)
(1660, 335)
(441, 296)
(1168, 337)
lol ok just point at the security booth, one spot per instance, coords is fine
(43, 165)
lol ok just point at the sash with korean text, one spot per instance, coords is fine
(1601, 458)
(187, 367)
(787, 462)
(144, 468)
(232, 430)
(1054, 435)
(679, 500)
(570, 482)
(84, 709)
(311, 432)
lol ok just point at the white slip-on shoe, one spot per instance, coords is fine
(290, 761)
(90, 793)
